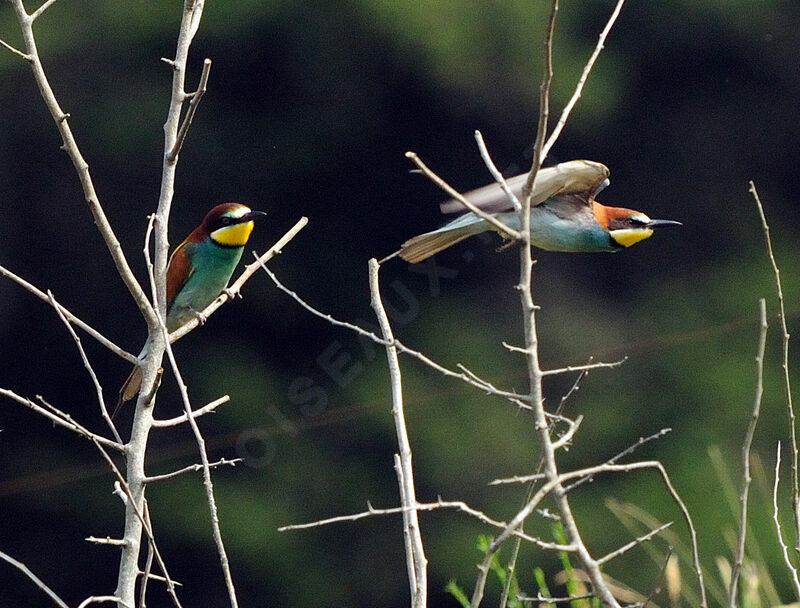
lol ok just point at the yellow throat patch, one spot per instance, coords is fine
(630, 236)
(233, 236)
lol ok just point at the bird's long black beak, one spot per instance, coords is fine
(658, 223)
(249, 217)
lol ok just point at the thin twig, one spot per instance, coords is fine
(468, 377)
(187, 119)
(619, 456)
(36, 580)
(430, 506)
(195, 413)
(634, 543)
(418, 563)
(748, 442)
(81, 166)
(115, 542)
(497, 224)
(62, 419)
(38, 12)
(551, 484)
(15, 50)
(97, 387)
(201, 445)
(236, 286)
(579, 368)
(141, 515)
(785, 549)
(787, 385)
(193, 468)
(579, 88)
(101, 599)
(487, 160)
(71, 317)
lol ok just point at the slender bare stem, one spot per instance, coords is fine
(187, 119)
(784, 548)
(38, 12)
(582, 80)
(497, 224)
(101, 599)
(82, 168)
(193, 468)
(748, 442)
(466, 376)
(201, 445)
(408, 499)
(156, 341)
(206, 409)
(15, 50)
(236, 286)
(430, 506)
(487, 160)
(787, 385)
(141, 513)
(36, 580)
(97, 387)
(62, 419)
(71, 317)
(634, 543)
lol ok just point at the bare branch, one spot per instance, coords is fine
(81, 167)
(787, 385)
(195, 413)
(626, 452)
(38, 12)
(579, 88)
(98, 389)
(418, 577)
(193, 468)
(187, 120)
(497, 224)
(201, 445)
(71, 317)
(551, 484)
(431, 506)
(141, 515)
(487, 160)
(578, 368)
(62, 419)
(102, 599)
(36, 580)
(236, 286)
(114, 542)
(572, 428)
(634, 543)
(748, 441)
(789, 565)
(15, 50)
(466, 376)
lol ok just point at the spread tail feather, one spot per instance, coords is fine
(425, 245)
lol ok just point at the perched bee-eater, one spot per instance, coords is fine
(564, 214)
(199, 270)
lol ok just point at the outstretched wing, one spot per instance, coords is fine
(584, 177)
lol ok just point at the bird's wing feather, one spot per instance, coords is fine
(573, 177)
(179, 270)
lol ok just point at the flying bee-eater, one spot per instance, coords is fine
(199, 270)
(564, 214)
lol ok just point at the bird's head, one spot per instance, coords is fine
(627, 227)
(230, 224)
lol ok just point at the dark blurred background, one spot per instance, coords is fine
(309, 111)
